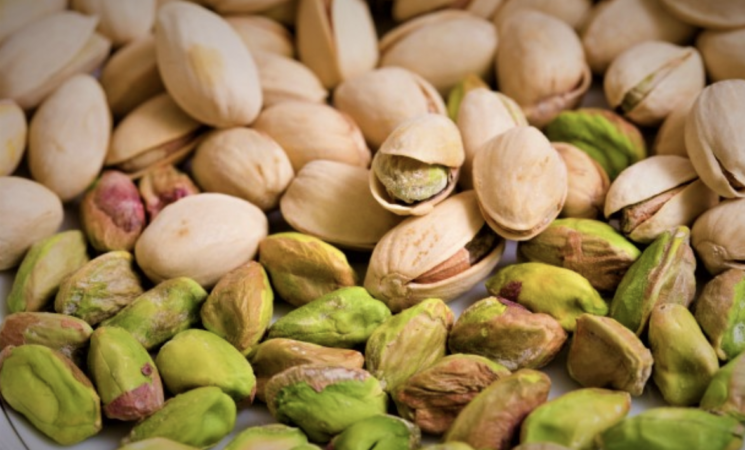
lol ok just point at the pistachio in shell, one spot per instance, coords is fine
(122, 22)
(406, 9)
(456, 95)
(588, 183)
(19, 13)
(725, 395)
(14, 127)
(382, 431)
(715, 237)
(574, 12)
(723, 53)
(65, 334)
(670, 139)
(448, 446)
(722, 15)
(156, 443)
(719, 310)
(262, 34)
(275, 436)
(285, 79)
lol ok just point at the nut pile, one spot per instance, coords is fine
(374, 127)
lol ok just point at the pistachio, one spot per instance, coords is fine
(406, 9)
(162, 312)
(65, 334)
(285, 79)
(381, 431)
(725, 14)
(51, 392)
(46, 264)
(125, 375)
(724, 395)
(200, 417)
(664, 273)
(264, 7)
(719, 312)
(507, 333)
(156, 443)
(240, 306)
(587, 181)
(670, 139)
(99, 289)
(262, 34)
(162, 186)
(574, 12)
(540, 446)
(303, 268)
(306, 447)
(723, 53)
(14, 129)
(591, 248)
(456, 95)
(18, 14)
(309, 396)
(604, 353)
(494, 416)
(433, 397)
(449, 446)
(122, 22)
(112, 213)
(715, 237)
(275, 436)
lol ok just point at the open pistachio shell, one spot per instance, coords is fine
(20, 13)
(14, 127)
(716, 237)
(285, 79)
(719, 311)
(723, 53)
(122, 22)
(262, 34)
(722, 14)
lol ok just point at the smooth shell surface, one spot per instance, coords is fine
(723, 53)
(717, 238)
(285, 79)
(262, 34)
(16, 14)
(573, 12)
(14, 130)
(718, 14)
(120, 21)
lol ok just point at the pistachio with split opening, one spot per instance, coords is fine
(162, 186)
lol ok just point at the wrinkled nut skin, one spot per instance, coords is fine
(162, 186)
(51, 392)
(383, 431)
(303, 268)
(14, 127)
(606, 354)
(587, 183)
(274, 436)
(433, 397)
(715, 237)
(492, 419)
(156, 443)
(125, 375)
(719, 311)
(507, 333)
(112, 213)
(65, 334)
(726, 392)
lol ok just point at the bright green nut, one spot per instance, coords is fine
(684, 361)
(575, 418)
(66, 334)
(310, 396)
(200, 418)
(51, 392)
(558, 292)
(664, 273)
(344, 318)
(726, 392)
(720, 309)
(124, 374)
(378, 433)
(408, 342)
(458, 93)
(449, 446)
(673, 429)
(239, 308)
(99, 289)
(303, 268)
(196, 358)
(408, 180)
(275, 437)
(157, 443)
(608, 138)
(45, 265)
(589, 247)
(162, 312)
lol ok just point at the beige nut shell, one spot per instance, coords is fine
(717, 237)
(285, 79)
(120, 21)
(14, 129)
(717, 14)
(262, 34)
(588, 183)
(723, 52)
(573, 12)
(16, 14)
(670, 139)
(406, 9)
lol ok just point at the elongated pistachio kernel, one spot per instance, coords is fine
(156, 443)
(382, 431)
(66, 334)
(275, 437)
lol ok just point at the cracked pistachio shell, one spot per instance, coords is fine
(664, 273)
(122, 22)
(408, 342)
(726, 393)
(197, 358)
(574, 12)
(284, 79)
(65, 334)
(17, 14)
(240, 306)
(406, 9)
(589, 247)
(205, 66)
(30, 213)
(716, 237)
(606, 354)
(14, 129)
(351, 218)
(100, 288)
(422, 44)
(262, 34)
(162, 312)
(344, 318)
(309, 396)
(383, 431)
(311, 131)
(380, 100)
(575, 418)
(39, 57)
(587, 183)
(124, 374)
(723, 53)
(442, 254)
(507, 333)
(156, 443)
(433, 397)
(684, 361)
(202, 236)
(561, 293)
(303, 267)
(648, 81)
(200, 417)
(720, 310)
(673, 428)
(722, 14)
(274, 436)
(671, 195)
(508, 171)
(670, 139)
(226, 158)
(275, 355)
(46, 264)
(164, 185)
(493, 417)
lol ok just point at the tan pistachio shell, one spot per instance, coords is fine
(244, 163)
(443, 47)
(336, 39)
(588, 183)
(262, 34)
(244, 6)
(541, 65)
(718, 14)
(670, 139)
(120, 21)
(380, 100)
(717, 237)
(617, 25)
(520, 182)
(310, 131)
(406, 9)
(205, 66)
(723, 52)
(16, 14)
(285, 79)
(332, 201)
(573, 12)
(69, 137)
(41, 56)
(419, 244)
(14, 129)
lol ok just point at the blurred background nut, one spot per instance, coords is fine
(122, 22)
(716, 237)
(573, 12)
(14, 129)
(723, 52)
(17, 14)
(406, 9)
(718, 312)
(262, 34)
(162, 186)
(285, 79)
(719, 15)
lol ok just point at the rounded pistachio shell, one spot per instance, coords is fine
(421, 45)
(723, 52)
(202, 236)
(719, 312)
(718, 15)
(406, 9)
(573, 12)
(262, 34)
(520, 182)
(30, 212)
(716, 236)
(587, 183)
(14, 129)
(205, 66)
(16, 14)
(670, 139)
(285, 79)
(69, 137)
(122, 22)
(243, 6)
